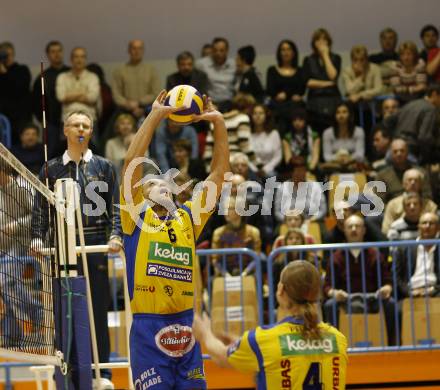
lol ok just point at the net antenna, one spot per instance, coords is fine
(43, 110)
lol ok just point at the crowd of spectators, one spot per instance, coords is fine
(298, 125)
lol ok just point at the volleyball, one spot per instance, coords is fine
(184, 96)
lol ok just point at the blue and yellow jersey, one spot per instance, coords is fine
(285, 360)
(161, 260)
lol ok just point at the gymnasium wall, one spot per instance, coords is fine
(167, 27)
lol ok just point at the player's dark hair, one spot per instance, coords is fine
(301, 281)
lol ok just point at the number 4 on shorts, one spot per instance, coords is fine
(312, 380)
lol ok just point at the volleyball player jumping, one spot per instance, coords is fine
(298, 352)
(160, 252)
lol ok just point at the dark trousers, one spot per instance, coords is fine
(101, 298)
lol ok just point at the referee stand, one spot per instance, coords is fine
(75, 323)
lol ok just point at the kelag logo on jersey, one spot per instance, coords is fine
(170, 254)
(292, 344)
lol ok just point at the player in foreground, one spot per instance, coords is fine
(298, 352)
(160, 252)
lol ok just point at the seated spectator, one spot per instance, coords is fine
(336, 288)
(389, 107)
(301, 145)
(78, 89)
(433, 57)
(187, 74)
(417, 123)
(388, 57)
(185, 195)
(341, 211)
(293, 237)
(235, 234)
(15, 97)
(300, 194)
(392, 174)
(406, 227)
(240, 166)
(429, 36)
(362, 80)
(220, 71)
(381, 144)
(294, 219)
(206, 50)
(55, 56)
(116, 147)
(412, 182)
(167, 133)
(285, 84)
(409, 80)
(135, 84)
(423, 276)
(265, 142)
(238, 125)
(182, 160)
(344, 143)
(30, 151)
(321, 72)
(248, 79)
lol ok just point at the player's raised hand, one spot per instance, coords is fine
(209, 113)
(163, 110)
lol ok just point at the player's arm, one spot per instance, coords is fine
(216, 349)
(142, 140)
(220, 154)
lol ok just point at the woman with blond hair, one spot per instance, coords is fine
(298, 352)
(410, 79)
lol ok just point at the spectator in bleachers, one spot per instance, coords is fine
(341, 211)
(238, 124)
(30, 151)
(362, 79)
(78, 89)
(390, 106)
(321, 72)
(422, 260)
(236, 233)
(265, 141)
(301, 145)
(417, 122)
(285, 84)
(55, 56)
(429, 36)
(15, 97)
(412, 182)
(338, 292)
(185, 163)
(221, 72)
(381, 143)
(392, 174)
(409, 80)
(387, 57)
(185, 195)
(433, 65)
(206, 50)
(294, 219)
(116, 147)
(187, 74)
(136, 83)
(301, 194)
(406, 227)
(344, 143)
(240, 166)
(167, 133)
(248, 79)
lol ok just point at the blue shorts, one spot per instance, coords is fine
(164, 354)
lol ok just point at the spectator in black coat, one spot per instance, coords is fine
(194, 168)
(15, 97)
(30, 152)
(248, 79)
(187, 74)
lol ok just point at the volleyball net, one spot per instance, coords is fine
(28, 259)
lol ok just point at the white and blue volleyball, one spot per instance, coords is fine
(184, 96)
